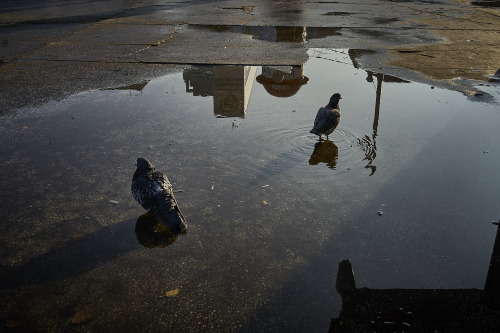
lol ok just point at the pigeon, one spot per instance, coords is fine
(327, 118)
(154, 193)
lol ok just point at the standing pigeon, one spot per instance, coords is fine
(154, 192)
(327, 118)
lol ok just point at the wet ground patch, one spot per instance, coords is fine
(270, 210)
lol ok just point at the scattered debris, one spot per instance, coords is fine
(264, 202)
(265, 185)
(380, 213)
(114, 202)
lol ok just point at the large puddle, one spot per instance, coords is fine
(270, 210)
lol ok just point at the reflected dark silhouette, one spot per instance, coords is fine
(486, 3)
(492, 284)
(230, 86)
(419, 310)
(283, 34)
(151, 233)
(325, 152)
(368, 143)
(282, 81)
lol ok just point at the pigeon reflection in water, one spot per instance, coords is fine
(327, 118)
(150, 232)
(154, 192)
(325, 152)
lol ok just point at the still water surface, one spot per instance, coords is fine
(271, 212)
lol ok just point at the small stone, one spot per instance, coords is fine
(114, 202)
(380, 213)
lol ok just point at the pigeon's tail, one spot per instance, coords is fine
(173, 219)
(315, 131)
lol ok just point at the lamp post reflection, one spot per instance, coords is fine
(368, 143)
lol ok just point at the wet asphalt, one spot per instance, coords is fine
(50, 50)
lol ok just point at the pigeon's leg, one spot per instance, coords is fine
(320, 138)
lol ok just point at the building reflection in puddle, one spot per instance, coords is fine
(282, 81)
(230, 86)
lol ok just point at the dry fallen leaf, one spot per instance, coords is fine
(171, 293)
(11, 323)
(264, 202)
(82, 317)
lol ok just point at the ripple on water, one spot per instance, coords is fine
(297, 149)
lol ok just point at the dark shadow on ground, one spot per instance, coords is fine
(75, 257)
